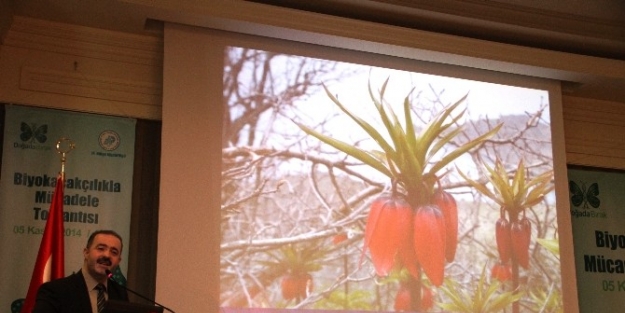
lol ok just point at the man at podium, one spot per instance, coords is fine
(87, 290)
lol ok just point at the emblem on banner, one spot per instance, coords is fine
(31, 133)
(582, 196)
(109, 140)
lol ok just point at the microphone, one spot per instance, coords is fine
(109, 275)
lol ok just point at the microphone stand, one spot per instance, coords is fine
(110, 277)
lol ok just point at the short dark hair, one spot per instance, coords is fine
(103, 232)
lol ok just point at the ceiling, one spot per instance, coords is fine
(592, 28)
(579, 26)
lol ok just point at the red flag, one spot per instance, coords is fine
(50, 262)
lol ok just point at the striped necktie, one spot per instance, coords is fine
(101, 289)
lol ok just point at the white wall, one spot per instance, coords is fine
(189, 235)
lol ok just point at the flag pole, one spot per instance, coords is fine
(50, 262)
(63, 147)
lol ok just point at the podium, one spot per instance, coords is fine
(114, 306)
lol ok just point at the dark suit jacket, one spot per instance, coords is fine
(70, 295)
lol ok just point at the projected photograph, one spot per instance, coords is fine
(361, 188)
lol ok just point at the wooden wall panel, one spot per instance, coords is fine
(594, 132)
(77, 68)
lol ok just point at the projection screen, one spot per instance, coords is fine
(362, 182)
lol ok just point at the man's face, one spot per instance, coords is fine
(105, 253)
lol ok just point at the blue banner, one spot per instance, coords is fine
(98, 186)
(598, 221)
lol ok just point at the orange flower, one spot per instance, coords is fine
(402, 299)
(429, 242)
(338, 238)
(387, 228)
(449, 208)
(427, 298)
(502, 236)
(296, 286)
(520, 232)
(501, 272)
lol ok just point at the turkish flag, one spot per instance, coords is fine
(50, 262)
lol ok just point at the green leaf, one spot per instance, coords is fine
(375, 135)
(518, 183)
(411, 136)
(481, 188)
(553, 245)
(463, 149)
(438, 145)
(436, 127)
(379, 104)
(389, 119)
(349, 150)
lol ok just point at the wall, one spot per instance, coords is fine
(68, 67)
(594, 132)
(6, 17)
(76, 68)
(188, 269)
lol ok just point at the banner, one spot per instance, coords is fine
(98, 187)
(598, 221)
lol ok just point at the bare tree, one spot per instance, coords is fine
(290, 203)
